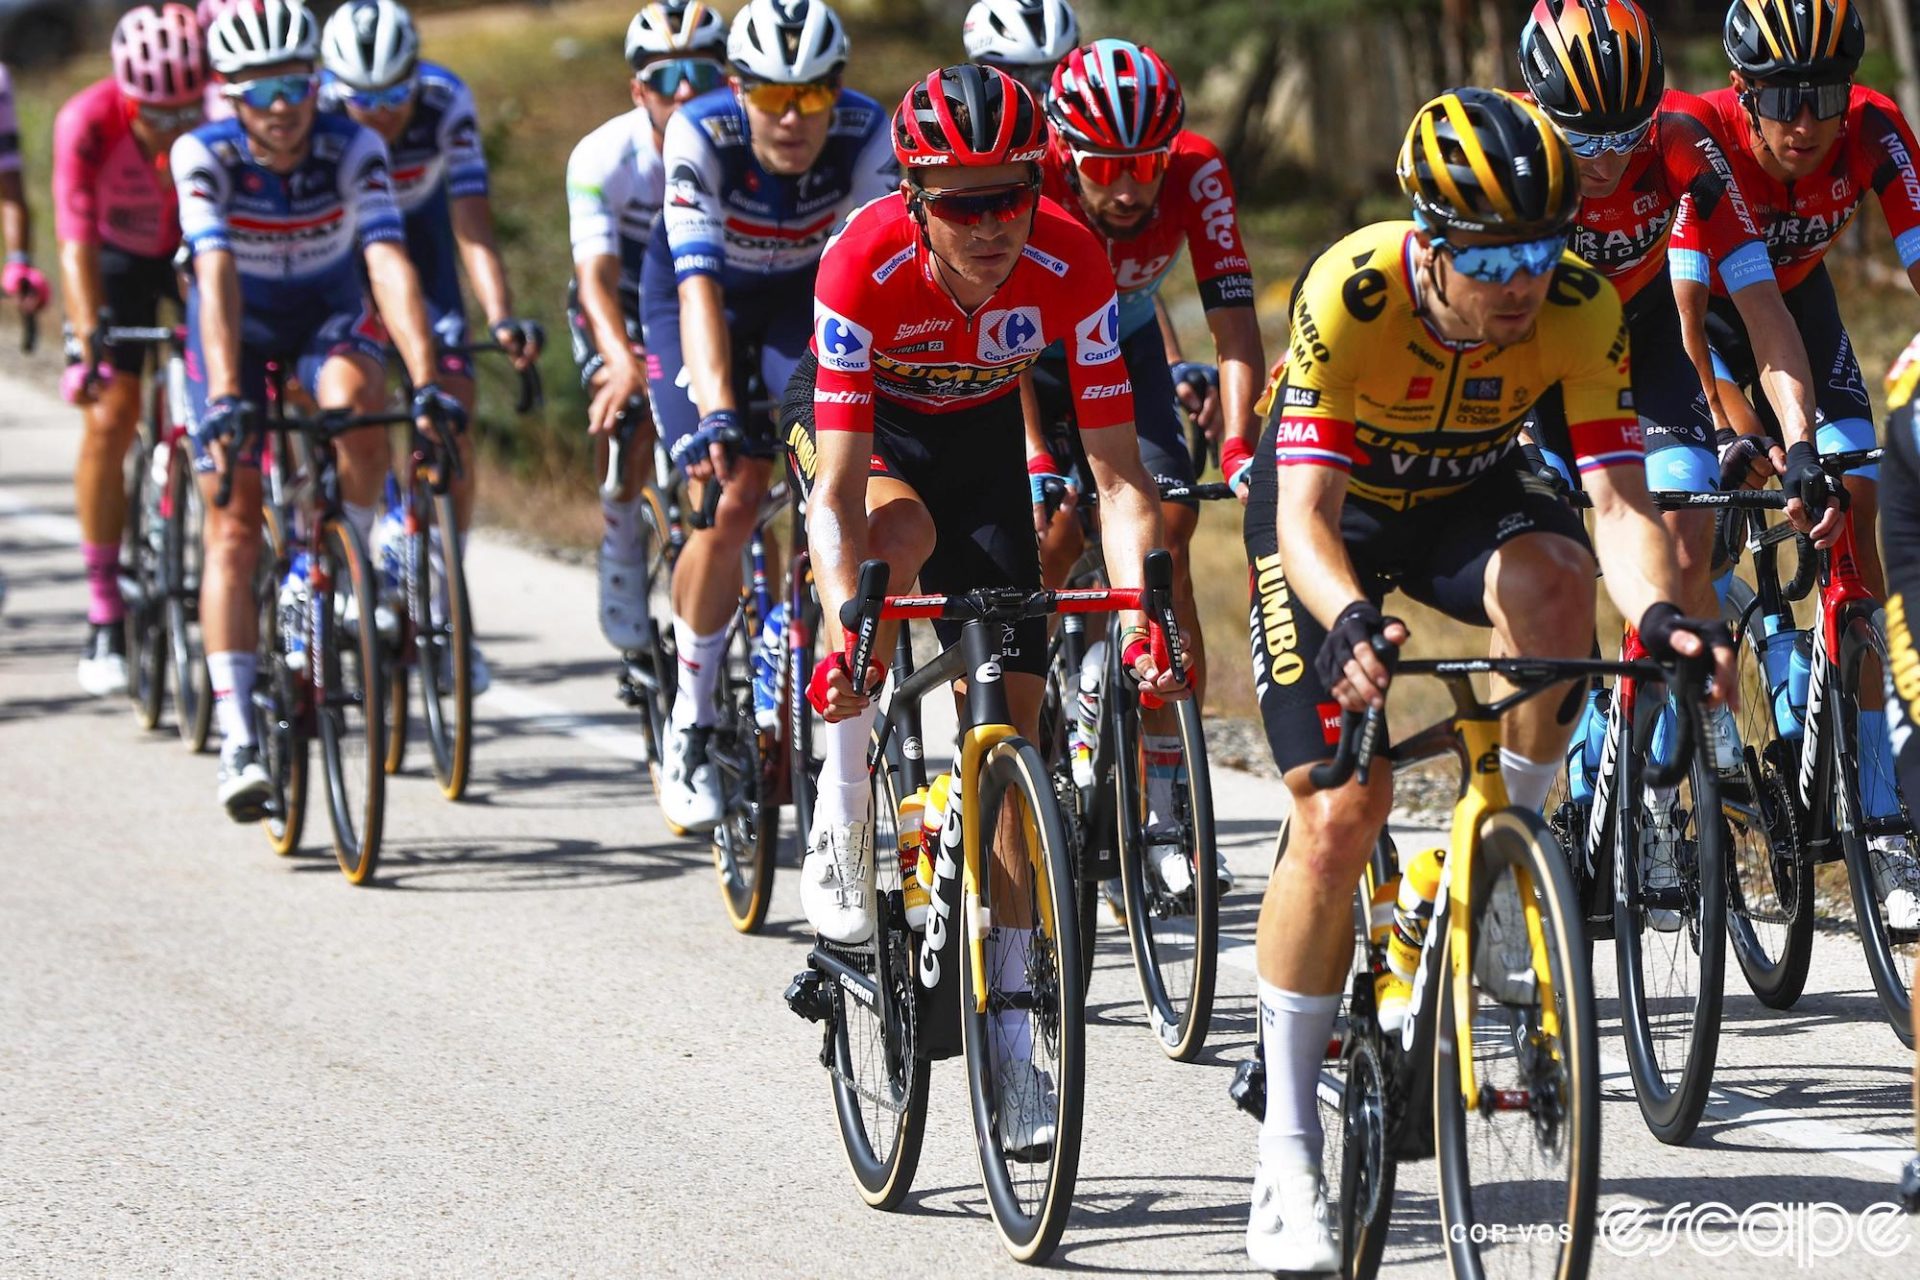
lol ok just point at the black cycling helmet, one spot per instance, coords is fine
(965, 116)
(1484, 160)
(1808, 41)
(1593, 66)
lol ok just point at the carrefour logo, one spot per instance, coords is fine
(840, 343)
(1009, 335)
(1098, 336)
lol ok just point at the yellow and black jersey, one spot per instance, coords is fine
(1369, 387)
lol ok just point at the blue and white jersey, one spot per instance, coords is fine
(728, 217)
(439, 150)
(300, 233)
(615, 186)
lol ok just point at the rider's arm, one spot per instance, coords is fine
(697, 239)
(16, 223)
(843, 439)
(1242, 359)
(468, 189)
(1103, 410)
(596, 176)
(1168, 334)
(1888, 158)
(706, 343)
(367, 191)
(1635, 551)
(76, 220)
(217, 278)
(80, 291)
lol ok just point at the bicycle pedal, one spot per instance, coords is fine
(1249, 1088)
(807, 996)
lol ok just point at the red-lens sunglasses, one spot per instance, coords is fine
(972, 206)
(1103, 169)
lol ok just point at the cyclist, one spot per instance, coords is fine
(1024, 38)
(905, 424)
(1416, 350)
(282, 209)
(19, 278)
(1807, 145)
(615, 187)
(118, 222)
(425, 115)
(1122, 166)
(758, 177)
(207, 11)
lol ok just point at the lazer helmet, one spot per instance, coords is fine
(370, 44)
(1593, 66)
(968, 116)
(1115, 96)
(1483, 160)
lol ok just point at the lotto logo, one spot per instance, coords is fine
(840, 343)
(1098, 336)
(1008, 335)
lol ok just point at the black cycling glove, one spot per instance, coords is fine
(1358, 626)
(1808, 481)
(1738, 455)
(1661, 621)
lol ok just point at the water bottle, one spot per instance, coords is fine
(1084, 732)
(1589, 743)
(933, 818)
(295, 595)
(389, 543)
(1776, 657)
(766, 669)
(1799, 672)
(1412, 913)
(912, 841)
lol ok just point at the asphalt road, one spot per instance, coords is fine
(536, 1047)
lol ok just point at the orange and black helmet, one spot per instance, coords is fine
(1808, 41)
(1484, 160)
(1594, 66)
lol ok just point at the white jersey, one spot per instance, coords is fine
(616, 184)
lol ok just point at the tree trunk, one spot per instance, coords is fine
(1900, 39)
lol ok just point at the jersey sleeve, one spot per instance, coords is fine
(1887, 147)
(1311, 400)
(592, 225)
(1713, 226)
(366, 191)
(1590, 333)
(1220, 265)
(1097, 376)
(9, 126)
(876, 170)
(696, 232)
(460, 144)
(76, 176)
(201, 183)
(845, 314)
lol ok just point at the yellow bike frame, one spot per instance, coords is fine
(975, 746)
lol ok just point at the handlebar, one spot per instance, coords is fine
(626, 425)
(1360, 735)
(1690, 682)
(1054, 491)
(532, 393)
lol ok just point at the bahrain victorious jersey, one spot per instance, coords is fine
(1875, 153)
(1370, 388)
(883, 325)
(1677, 200)
(1195, 211)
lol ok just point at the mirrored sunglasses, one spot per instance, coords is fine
(972, 206)
(777, 99)
(1784, 102)
(666, 77)
(1499, 263)
(172, 119)
(1103, 169)
(387, 99)
(263, 93)
(1589, 145)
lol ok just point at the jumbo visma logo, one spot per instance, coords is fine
(839, 343)
(1009, 335)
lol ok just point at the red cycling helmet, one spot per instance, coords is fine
(968, 116)
(1115, 96)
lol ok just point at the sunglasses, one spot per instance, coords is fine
(776, 100)
(1103, 169)
(394, 95)
(973, 205)
(1499, 263)
(1591, 145)
(1783, 103)
(261, 94)
(666, 77)
(172, 119)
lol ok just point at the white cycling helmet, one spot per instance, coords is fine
(787, 41)
(370, 44)
(1020, 33)
(675, 27)
(262, 34)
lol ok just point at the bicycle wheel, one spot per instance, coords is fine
(746, 760)
(1057, 706)
(182, 559)
(657, 552)
(1669, 932)
(1360, 1110)
(1175, 936)
(443, 640)
(351, 659)
(879, 1076)
(1029, 1041)
(143, 569)
(281, 697)
(1890, 950)
(1770, 904)
(1519, 1174)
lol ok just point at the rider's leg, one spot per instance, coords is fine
(347, 370)
(1539, 595)
(706, 587)
(99, 490)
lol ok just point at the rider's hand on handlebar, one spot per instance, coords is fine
(1744, 460)
(832, 691)
(226, 420)
(1811, 490)
(1668, 635)
(1347, 662)
(81, 385)
(1044, 474)
(439, 414)
(1168, 685)
(1236, 464)
(625, 381)
(708, 452)
(22, 280)
(1197, 387)
(523, 340)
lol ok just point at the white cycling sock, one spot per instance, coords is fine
(231, 675)
(1007, 951)
(620, 536)
(1528, 781)
(362, 518)
(1162, 752)
(844, 794)
(437, 560)
(1293, 1037)
(700, 659)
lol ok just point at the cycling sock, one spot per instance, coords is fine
(620, 534)
(1162, 751)
(1528, 781)
(1878, 799)
(844, 790)
(700, 661)
(1293, 1037)
(103, 582)
(231, 675)
(1007, 952)
(437, 566)
(362, 518)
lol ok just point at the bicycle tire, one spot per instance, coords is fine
(1013, 768)
(352, 726)
(1178, 995)
(1672, 1032)
(1890, 954)
(884, 1177)
(443, 649)
(657, 552)
(1770, 902)
(282, 724)
(1520, 841)
(398, 702)
(143, 621)
(192, 684)
(745, 760)
(1057, 705)
(1355, 1098)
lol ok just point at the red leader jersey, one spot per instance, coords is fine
(883, 325)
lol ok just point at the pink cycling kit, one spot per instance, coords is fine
(106, 190)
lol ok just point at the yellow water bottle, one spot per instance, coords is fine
(1412, 912)
(911, 835)
(935, 818)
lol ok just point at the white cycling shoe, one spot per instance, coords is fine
(623, 602)
(245, 789)
(103, 663)
(836, 883)
(689, 789)
(1896, 880)
(1287, 1229)
(1724, 732)
(1027, 1110)
(1660, 848)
